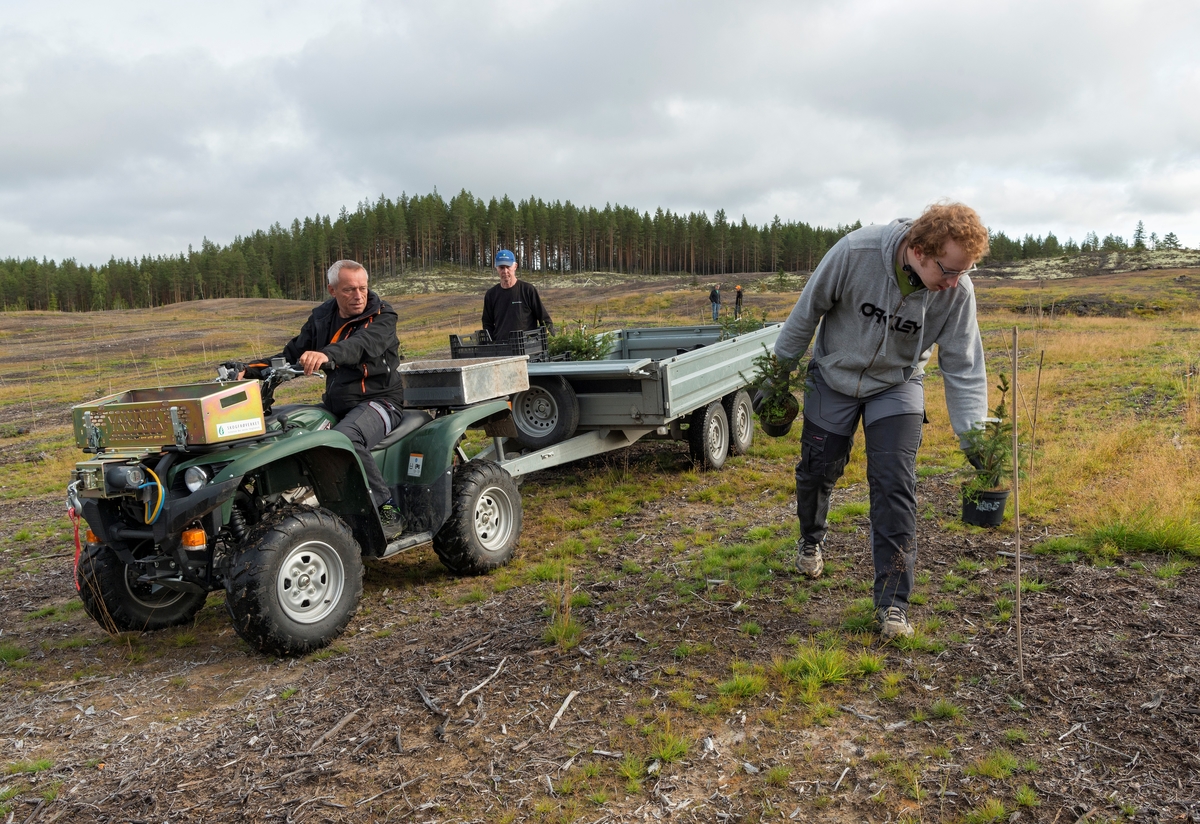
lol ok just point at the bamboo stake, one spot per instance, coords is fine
(1037, 391)
(1017, 508)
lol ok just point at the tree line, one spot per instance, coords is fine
(401, 238)
(1005, 249)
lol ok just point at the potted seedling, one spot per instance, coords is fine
(574, 343)
(989, 444)
(773, 386)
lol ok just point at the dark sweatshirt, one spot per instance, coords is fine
(513, 310)
(363, 350)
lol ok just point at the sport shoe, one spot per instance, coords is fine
(390, 516)
(893, 623)
(809, 561)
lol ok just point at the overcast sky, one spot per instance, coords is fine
(139, 128)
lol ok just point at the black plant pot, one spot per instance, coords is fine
(778, 427)
(984, 508)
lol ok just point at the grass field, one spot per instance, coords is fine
(1117, 416)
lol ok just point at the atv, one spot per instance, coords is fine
(191, 489)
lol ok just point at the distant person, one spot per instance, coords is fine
(877, 303)
(352, 337)
(737, 302)
(714, 297)
(512, 305)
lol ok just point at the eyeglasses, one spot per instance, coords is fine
(951, 273)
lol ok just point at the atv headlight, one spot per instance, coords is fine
(195, 478)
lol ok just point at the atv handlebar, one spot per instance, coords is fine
(276, 373)
(271, 376)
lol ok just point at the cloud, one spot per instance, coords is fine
(142, 128)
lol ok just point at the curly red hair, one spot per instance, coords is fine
(942, 222)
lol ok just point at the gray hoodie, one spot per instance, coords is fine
(871, 337)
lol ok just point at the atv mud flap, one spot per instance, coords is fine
(426, 507)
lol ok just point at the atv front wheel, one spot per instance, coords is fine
(485, 520)
(297, 584)
(118, 602)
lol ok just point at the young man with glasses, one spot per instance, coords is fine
(512, 305)
(876, 305)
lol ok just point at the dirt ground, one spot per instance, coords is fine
(444, 702)
(201, 729)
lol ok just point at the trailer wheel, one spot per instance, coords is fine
(485, 520)
(296, 585)
(708, 436)
(740, 413)
(114, 598)
(545, 413)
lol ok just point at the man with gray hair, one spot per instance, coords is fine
(352, 337)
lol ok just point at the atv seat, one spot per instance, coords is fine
(410, 421)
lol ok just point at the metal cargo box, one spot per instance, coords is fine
(204, 413)
(461, 382)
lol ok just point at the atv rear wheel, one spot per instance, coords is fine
(485, 520)
(112, 595)
(297, 584)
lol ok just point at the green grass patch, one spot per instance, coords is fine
(1144, 535)
(845, 512)
(743, 685)
(944, 710)
(817, 665)
(547, 571)
(1172, 569)
(868, 663)
(666, 746)
(778, 775)
(29, 767)
(1026, 796)
(11, 652)
(1015, 735)
(563, 631)
(689, 649)
(990, 811)
(997, 764)
(474, 595)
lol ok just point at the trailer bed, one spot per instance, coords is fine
(651, 383)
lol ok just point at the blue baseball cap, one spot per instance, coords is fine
(505, 258)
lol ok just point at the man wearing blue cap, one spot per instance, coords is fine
(512, 305)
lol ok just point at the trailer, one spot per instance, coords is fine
(677, 383)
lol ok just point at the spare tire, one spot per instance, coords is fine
(545, 413)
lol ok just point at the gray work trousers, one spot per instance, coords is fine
(892, 422)
(366, 425)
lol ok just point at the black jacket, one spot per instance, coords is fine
(514, 310)
(363, 353)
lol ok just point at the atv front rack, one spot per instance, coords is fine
(201, 413)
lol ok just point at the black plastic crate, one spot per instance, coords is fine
(480, 345)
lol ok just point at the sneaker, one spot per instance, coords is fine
(390, 516)
(893, 623)
(809, 561)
